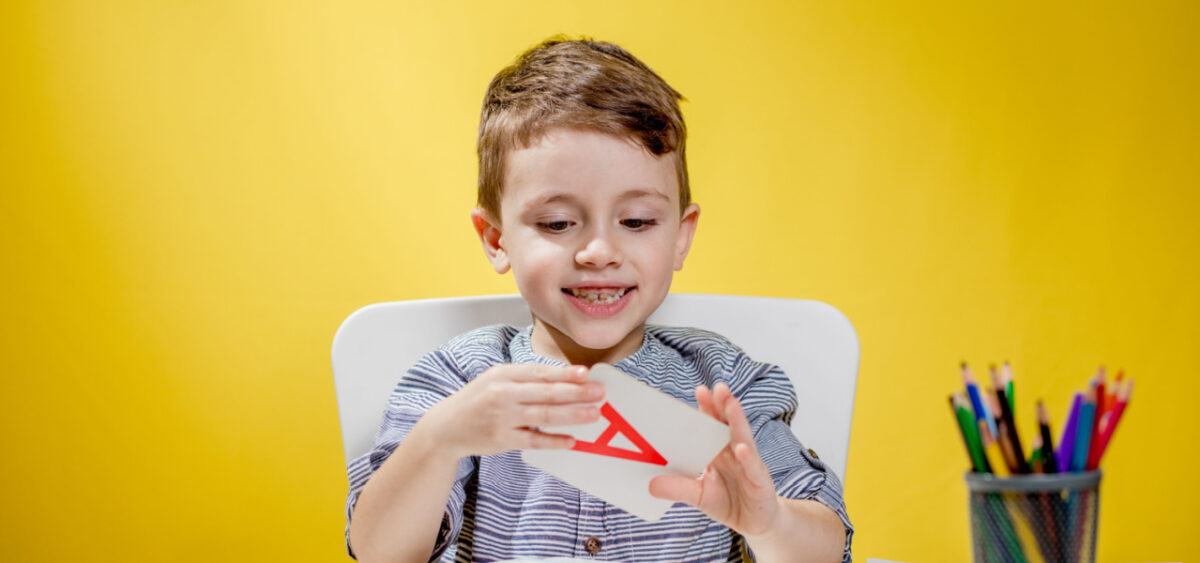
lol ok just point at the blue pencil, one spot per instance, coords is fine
(981, 410)
(1083, 432)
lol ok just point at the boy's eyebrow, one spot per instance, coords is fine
(554, 198)
(640, 192)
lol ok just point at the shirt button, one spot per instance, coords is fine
(812, 453)
(592, 545)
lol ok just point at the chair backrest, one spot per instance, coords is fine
(813, 342)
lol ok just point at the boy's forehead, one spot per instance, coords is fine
(571, 165)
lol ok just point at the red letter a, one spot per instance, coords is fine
(647, 453)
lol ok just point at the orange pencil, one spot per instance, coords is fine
(1111, 400)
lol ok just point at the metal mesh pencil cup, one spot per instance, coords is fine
(1034, 518)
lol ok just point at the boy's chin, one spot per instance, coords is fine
(599, 341)
(608, 340)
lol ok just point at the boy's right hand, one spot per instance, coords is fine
(501, 409)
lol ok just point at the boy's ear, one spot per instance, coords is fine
(687, 229)
(488, 229)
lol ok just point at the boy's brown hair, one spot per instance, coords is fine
(582, 84)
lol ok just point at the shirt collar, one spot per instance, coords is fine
(520, 349)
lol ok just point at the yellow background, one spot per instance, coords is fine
(195, 194)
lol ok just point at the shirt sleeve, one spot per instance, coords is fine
(769, 401)
(798, 474)
(432, 379)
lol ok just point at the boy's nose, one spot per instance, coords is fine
(599, 252)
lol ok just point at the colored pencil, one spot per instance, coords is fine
(1003, 439)
(1010, 387)
(1083, 434)
(1112, 392)
(1091, 502)
(1007, 417)
(1028, 543)
(991, 450)
(961, 433)
(1035, 455)
(981, 409)
(1124, 394)
(970, 436)
(1066, 446)
(1101, 375)
(1047, 439)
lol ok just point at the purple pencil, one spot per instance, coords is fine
(1067, 444)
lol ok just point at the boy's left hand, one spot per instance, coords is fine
(736, 489)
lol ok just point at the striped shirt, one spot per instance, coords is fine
(501, 508)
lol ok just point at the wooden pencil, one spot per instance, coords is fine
(1007, 416)
(1051, 460)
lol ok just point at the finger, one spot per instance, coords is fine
(676, 488)
(704, 401)
(555, 415)
(752, 468)
(544, 373)
(721, 395)
(556, 393)
(538, 440)
(725, 463)
(744, 447)
(739, 426)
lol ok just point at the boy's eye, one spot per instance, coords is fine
(638, 224)
(554, 226)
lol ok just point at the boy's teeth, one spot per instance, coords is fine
(599, 296)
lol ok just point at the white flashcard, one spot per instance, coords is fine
(642, 433)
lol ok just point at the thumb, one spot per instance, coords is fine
(676, 488)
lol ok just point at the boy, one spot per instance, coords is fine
(583, 195)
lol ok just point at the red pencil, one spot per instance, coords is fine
(1093, 445)
(1096, 454)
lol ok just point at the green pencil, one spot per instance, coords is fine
(966, 423)
(1009, 388)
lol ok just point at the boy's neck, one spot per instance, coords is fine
(551, 343)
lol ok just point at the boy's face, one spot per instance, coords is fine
(591, 228)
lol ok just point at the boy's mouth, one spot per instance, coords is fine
(598, 295)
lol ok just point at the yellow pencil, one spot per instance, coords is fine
(991, 449)
(1029, 544)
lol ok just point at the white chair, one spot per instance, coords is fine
(813, 343)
